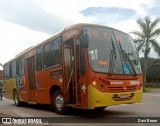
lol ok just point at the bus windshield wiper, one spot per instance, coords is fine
(112, 56)
(124, 54)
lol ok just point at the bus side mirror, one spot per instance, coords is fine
(84, 39)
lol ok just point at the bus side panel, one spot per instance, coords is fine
(42, 96)
(22, 88)
(44, 82)
(41, 90)
(9, 85)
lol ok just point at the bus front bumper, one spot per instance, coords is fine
(101, 99)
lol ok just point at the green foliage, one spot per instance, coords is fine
(146, 38)
(153, 71)
(153, 74)
(1, 85)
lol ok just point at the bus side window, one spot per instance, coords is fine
(7, 71)
(21, 65)
(13, 68)
(56, 51)
(52, 53)
(39, 58)
(47, 57)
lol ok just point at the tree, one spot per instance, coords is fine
(146, 39)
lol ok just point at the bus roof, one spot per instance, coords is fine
(79, 25)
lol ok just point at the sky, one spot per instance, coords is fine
(25, 23)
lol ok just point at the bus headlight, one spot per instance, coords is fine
(94, 83)
(98, 86)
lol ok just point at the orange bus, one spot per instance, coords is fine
(84, 66)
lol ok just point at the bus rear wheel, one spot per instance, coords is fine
(16, 99)
(58, 102)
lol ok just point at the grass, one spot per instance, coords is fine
(150, 89)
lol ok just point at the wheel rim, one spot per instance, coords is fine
(16, 98)
(59, 101)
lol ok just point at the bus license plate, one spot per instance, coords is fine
(124, 95)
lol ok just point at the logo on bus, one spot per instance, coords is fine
(117, 82)
(135, 82)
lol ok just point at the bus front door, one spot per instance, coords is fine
(31, 78)
(71, 65)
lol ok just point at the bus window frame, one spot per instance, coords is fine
(82, 54)
(18, 70)
(43, 54)
(106, 72)
(11, 70)
(7, 77)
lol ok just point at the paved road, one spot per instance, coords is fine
(150, 107)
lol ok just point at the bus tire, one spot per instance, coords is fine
(100, 108)
(16, 99)
(58, 102)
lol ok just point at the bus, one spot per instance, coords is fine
(86, 66)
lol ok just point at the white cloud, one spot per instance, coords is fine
(68, 11)
(125, 26)
(20, 20)
(15, 39)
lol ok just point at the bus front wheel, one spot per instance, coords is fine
(100, 108)
(58, 102)
(16, 99)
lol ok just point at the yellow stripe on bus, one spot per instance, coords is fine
(99, 99)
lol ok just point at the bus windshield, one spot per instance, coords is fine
(111, 51)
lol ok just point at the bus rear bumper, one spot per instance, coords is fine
(101, 99)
